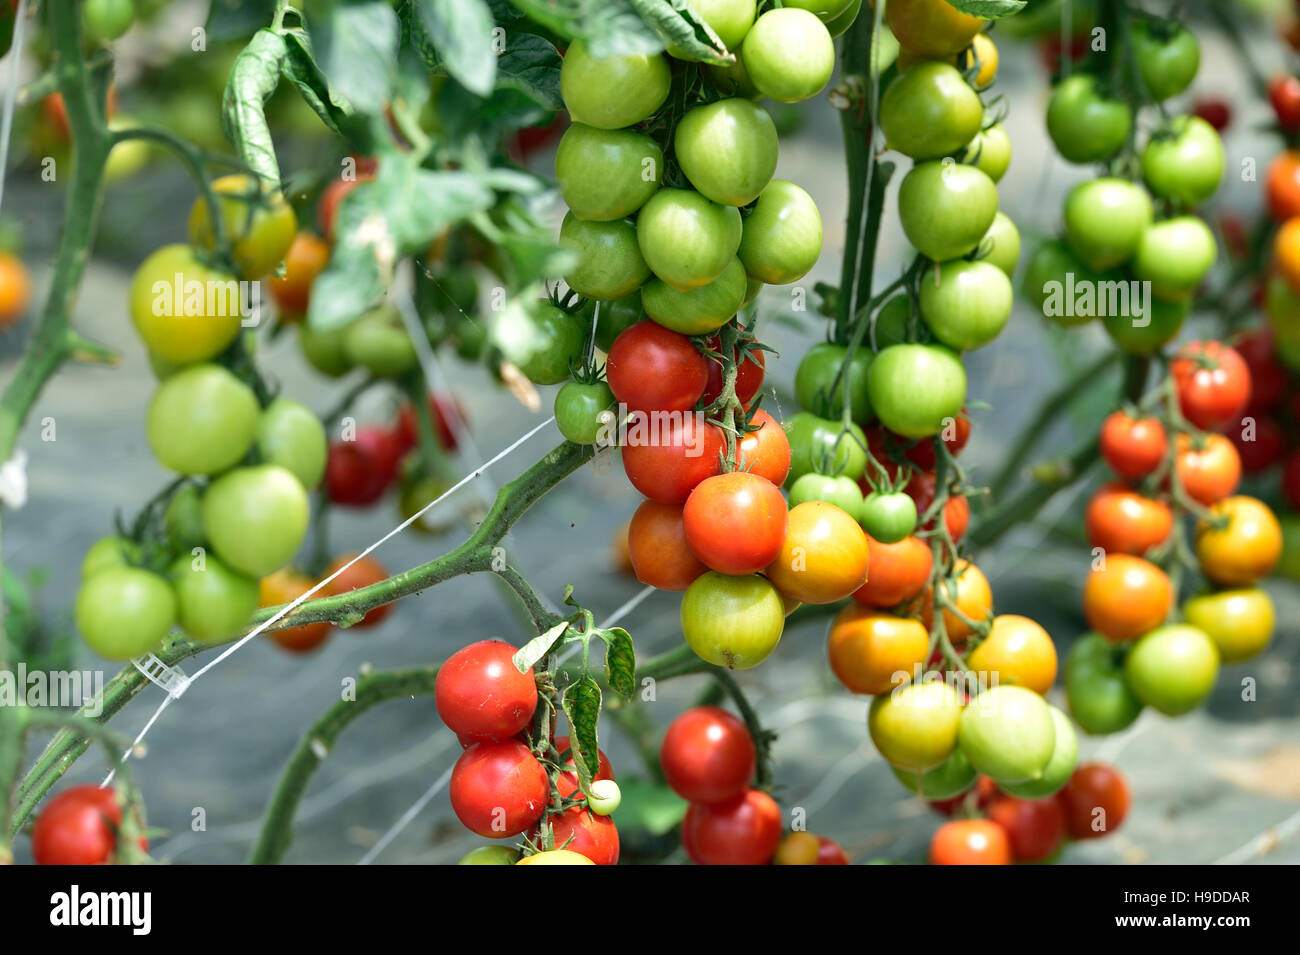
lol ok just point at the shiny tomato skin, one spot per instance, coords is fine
(895, 572)
(743, 831)
(1213, 396)
(78, 827)
(830, 852)
(708, 756)
(823, 557)
(652, 368)
(480, 694)
(970, 842)
(306, 259)
(735, 523)
(766, 451)
(871, 652)
(1282, 185)
(657, 547)
(669, 469)
(1133, 447)
(1096, 801)
(1120, 520)
(1126, 597)
(358, 472)
(498, 789)
(1208, 468)
(582, 831)
(363, 573)
(1035, 827)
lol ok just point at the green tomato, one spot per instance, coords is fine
(815, 382)
(613, 91)
(379, 343)
(106, 20)
(1105, 219)
(946, 208)
(819, 445)
(782, 235)
(123, 612)
(578, 409)
(891, 322)
(929, 110)
(888, 518)
(605, 797)
(183, 519)
(213, 602)
(915, 726)
(789, 55)
(184, 311)
(1001, 244)
(1052, 270)
(826, 10)
(1059, 768)
(730, 19)
(1187, 167)
(1174, 256)
(616, 317)
(324, 350)
(290, 435)
(732, 622)
(1161, 325)
(544, 343)
(202, 420)
(606, 174)
(1009, 734)
(954, 776)
(699, 310)
(969, 304)
(255, 518)
(1167, 56)
(732, 80)
(990, 152)
(109, 553)
(1172, 669)
(840, 25)
(490, 855)
(752, 288)
(609, 261)
(1098, 694)
(915, 388)
(687, 240)
(727, 150)
(1084, 125)
(841, 491)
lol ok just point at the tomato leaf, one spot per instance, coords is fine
(536, 648)
(530, 65)
(683, 31)
(608, 27)
(463, 33)
(989, 9)
(581, 704)
(300, 69)
(620, 661)
(356, 43)
(253, 79)
(235, 19)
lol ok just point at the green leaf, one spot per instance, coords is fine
(620, 661)
(356, 44)
(608, 27)
(253, 78)
(536, 648)
(581, 704)
(650, 807)
(683, 32)
(300, 69)
(989, 9)
(462, 32)
(530, 65)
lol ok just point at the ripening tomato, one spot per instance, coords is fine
(498, 789)
(1019, 651)
(956, 510)
(1096, 801)
(972, 597)
(365, 572)
(444, 409)
(765, 452)
(708, 756)
(1208, 467)
(749, 374)
(872, 652)
(1133, 447)
(481, 695)
(259, 229)
(1245, 549)
(555, 857)
(657, 547)
(1284, 94)
(734, 622)
(78, 826)
(1126, 597)
(285, 586)
(1268, 378)
(586, 833)
(735, 523)
(668, 465)
(1119, 520)
(1035, 827)
(652, 368)
(306, 259)
(184, 311)
(1282, 185)
(896, 572)
(1240, 622)
(970, 842)
(743, 831)
(1213, 384)
(798, 848)
(915, 726)
(15, 289)
(1010, 734)
(823, 556)
(931, 28)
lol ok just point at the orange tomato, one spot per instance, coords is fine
(971, 595)
(1208, 467)
(1119, 520)
(823, 557)
(1245, 549)
(306, 259)
(931, 28)
(622, 555)
(868, 650)
(898, 572)
(15, 289)
(1282, 185)
(1019, 651)
(657, 548)
(1126, 597)
(798, 848)
(1286, 251)
(281, 587)
(970, 842)
(363, 573)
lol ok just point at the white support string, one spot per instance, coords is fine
(11, 95)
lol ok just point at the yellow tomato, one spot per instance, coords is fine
(987, 54)
(823, 557)
(1019, 651)
(798, 848)
(556, 857)
(259, 234)
(1245, 549)
(872, 652)
(1240, 622)
(184, 311)
(971, 595)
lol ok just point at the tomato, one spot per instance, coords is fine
(1240, 622)
(931, 28)
(611, 92)
(956, 517)
(616, 317)
(1096, 801)
(1282, 185)
(1019, 651)
(15, 289)
(735, 523)
(581, 831)
(734, 622)
(255, 518)
(1262, 449)
(971, 595)
(213, 602)
(1167, 57)
(730, 19)
(1120, 520)
(609, 262)
(1085, 124)
(1188, 167)
(823, 557)
(888, 518)
(1286, 251)
(708, 756)
(107, 553)
(363, 573)
(665, 460)
(378, 342)
(492, 855)
(841, 491)
(305, 259)
(543, 341)
(951, 778)
(324, 350)
(985, 53)
(446, 415)
(606, 174)
(106, 20)
(956, 511)
(1009, 734)
(260, 230)
(1099, 695)
(914, 389)
(1001, 244)
(1214, 111)
(285, 586)
(1133, 447)
(824, 446)
(1105, 219)
(327, 207)
(498, 789)
(1163, 322)
(1126, 597)
(480, 694)
(657, 547)
(970, 842)
(967, 304)
(765, 452)
(202, 420)
(929, 111)
(1208, 467)
(727, 150)
(358, 472)
(955, 435)
(873, 652)
(555, 857)
(782, 236)
(788, 55)
(1245, 549)
(798, 848)
(123, 612)
(820, 387)
(915, 726)
(1174, 256)
(686, 239)
(1064, 758)
(1213, 384)
(896, 572)
(78, 826)
(700, 310)
(290, 435)
(1035, 827)
(1049, 273)
(184, 311)
(989, 152)
(581, 411)
(652, 368)
(946, 208)
(1173, 669)
(749, 375)
(743, 831)
(567, 782)
(1284, 95)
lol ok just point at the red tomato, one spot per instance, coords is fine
(480, 694)
(1120, 520)
(585, 833)
(1284, 94)
(765, 452)
(652, 368)
(1133, 447)
(665, 460)
(1291, 479)
(897, 572)
(1268, 378)
(970, 842)
(498, 789)
(657, 548)
(1096, 801)
(830, 852)
(1213, 384)
(327, 207)
(888, 449)
(744, 831)
(567, 782)
(443, 410)
(1266, 447)
(357, 473)
(363, 573)
(78, 827)
(735, 523)
(1282, 185)
(1036, 827)
(1208, 468)
(1214, 111)
(922, 452)
(986, 790)
(956, 510)
(749, 375)
(708, 756)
